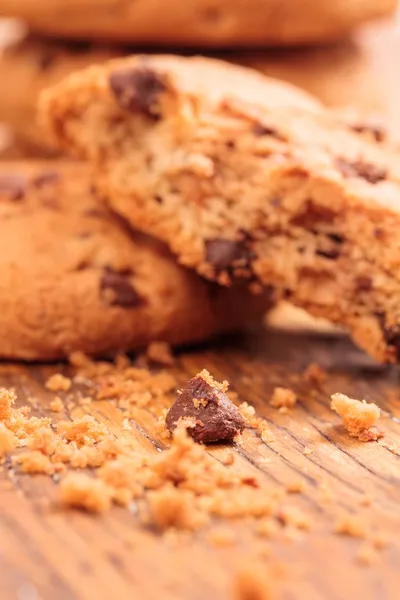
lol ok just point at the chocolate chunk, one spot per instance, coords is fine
(392, 337)
(46, 178)
(13, 185)
(118, 290)
(371, 173)
(214, 416)
(363, 283)
(313, 214)
(224, 254)
(330, 253)
(373, 129)
(138, 89)
(260, 130)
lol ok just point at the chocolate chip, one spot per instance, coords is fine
(312, 214)
(13, 185)
(363, 283)
(225, 254)
(138, 89)
(330, 253)
(371, 173)
(45, 178)
(117, 290)
(392, 337)
(376, 131)
(158, 199)
(260, 130)
(214, 416)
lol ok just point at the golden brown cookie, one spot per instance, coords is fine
(74, 277)
(338, 75)
(202, 23)
(246, 181)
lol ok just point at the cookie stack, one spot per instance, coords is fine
(247, 181)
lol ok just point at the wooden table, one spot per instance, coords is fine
(47, 554)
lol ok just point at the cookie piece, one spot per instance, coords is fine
(209, 23)
(245, 182)
(338, 75)
(74, 277)
(31, 65)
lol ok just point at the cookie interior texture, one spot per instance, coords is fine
(245, 178)
(75, 277)
(215, 23)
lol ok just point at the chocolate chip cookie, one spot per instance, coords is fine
(246, 182)
(32, 64)
(74, 277)
(202, 23)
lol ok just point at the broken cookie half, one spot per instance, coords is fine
(246, 179)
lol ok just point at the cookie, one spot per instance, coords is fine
(31, 65)
(338, 75)
(74, 277)
(202, 23)
(245, 182)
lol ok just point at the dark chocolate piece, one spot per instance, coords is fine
(260, 130)
(138, 89)
(376, 130)
(118, 290)
(216, 418)
(371, 173)
(225, 254)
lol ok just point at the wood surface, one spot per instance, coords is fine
(47, 553)
(51, 554)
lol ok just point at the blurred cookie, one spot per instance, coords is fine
(339, 75)
(201, 23)
(74, 277)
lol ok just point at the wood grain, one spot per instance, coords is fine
(46, 553)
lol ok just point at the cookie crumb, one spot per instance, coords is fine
(222, 386)
(78, 490)
(359, 418)
(283, 398)
(267, 527)
(8, 441)
(366, 554)
(82, 431)
(34, 462)
(172, 507)
(295, 486)
(58, 383)
(307, 451)
(160, 353)
(56, 405)
(251, 583)
(293, 517)
(314, 374)
(351, 525)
